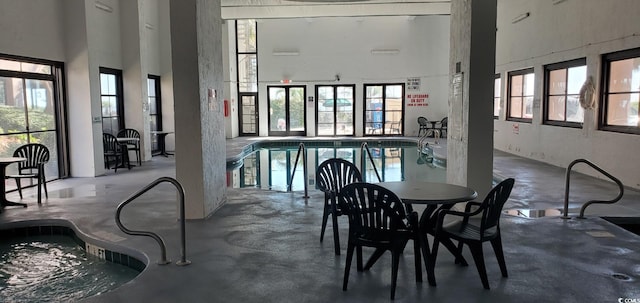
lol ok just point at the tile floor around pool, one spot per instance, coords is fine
(263, 246)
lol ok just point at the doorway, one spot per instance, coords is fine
(287, 110)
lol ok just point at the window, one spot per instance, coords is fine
(384, 109)
(621, 92)
(155, 109)
(247, 67)
(497, 86)
(334, 110)
(562, 89)
(520, 105)
(32, 111)
(111, 98)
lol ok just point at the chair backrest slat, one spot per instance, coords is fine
(333, 174)
(370, 206)
(35, 153)
(493, 204)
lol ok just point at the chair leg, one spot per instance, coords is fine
(347, 265)
(395, 256)
(19, 187)
(139, 157)
(44, 183)
(372, 260)
(497, 248)
(359, 257)
(325, 216)
(336, 235)
(39, 189)
(417, 261)
(478, 258)
(431, 262)
(334, 221)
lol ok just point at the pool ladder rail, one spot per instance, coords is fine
(301, 150)
(584, 206)
(163, 248)
(365, 147)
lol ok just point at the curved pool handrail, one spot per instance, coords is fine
(584, 206)
(163, 249)
(364, 146)
(301, 149)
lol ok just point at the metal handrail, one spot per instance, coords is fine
(584, 206)
(365, 146)
(302, 149)
(163, 250)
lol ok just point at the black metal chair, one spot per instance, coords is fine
(332, 175)
(378, 219)
(474, 235)
(114, 150)
(425, 126)
(37, 156)
(133, 145)
(443, 127)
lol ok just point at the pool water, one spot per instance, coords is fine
(54, 269)
(272, 168)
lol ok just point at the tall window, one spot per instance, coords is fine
(384, 109)
(334, 110)
(112, 101)
(497, 86)
(562, 88)
(31, 111)
(247, 61)
(155, 109)
(621, 92)
(520, 104)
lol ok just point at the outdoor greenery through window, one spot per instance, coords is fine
(29, 105)
(621, 92)
(520, 104)
(562, 89)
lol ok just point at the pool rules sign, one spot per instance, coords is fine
(415, 98)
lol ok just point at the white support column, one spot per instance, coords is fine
(196, 51)
(472, 69)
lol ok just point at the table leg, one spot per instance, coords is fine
(3, 197)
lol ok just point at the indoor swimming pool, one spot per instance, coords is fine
(273, 167)
(55, 268)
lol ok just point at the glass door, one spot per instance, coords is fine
(248, 114)
(334, 110)
(287, 111)
(384, 109)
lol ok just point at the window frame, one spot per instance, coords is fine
(119, 97)
(157, 99)
(497, 97)
(607, 59)
(383, 117)
(521, 72)
(566, 65)
(335, 109)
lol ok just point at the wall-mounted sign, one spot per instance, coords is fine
(417, 100)
(413, 84)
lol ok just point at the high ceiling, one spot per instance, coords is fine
(266, 9)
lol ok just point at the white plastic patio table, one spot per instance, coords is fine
(4, 162)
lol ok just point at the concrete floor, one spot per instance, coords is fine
(263, 246)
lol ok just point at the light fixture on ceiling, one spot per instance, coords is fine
(104, 7)
(390, 51)
(286, 53)
(554, 2)
(521, 17)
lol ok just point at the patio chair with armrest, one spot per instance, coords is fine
(378, 219)
(425, 126)
(474, 234)
(114, 150)
(133, 145)
(37, 156)
(332, 175)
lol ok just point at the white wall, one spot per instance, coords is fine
(556, 33)
(342, 46)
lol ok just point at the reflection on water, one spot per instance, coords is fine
(534, 213)
(273, 168)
